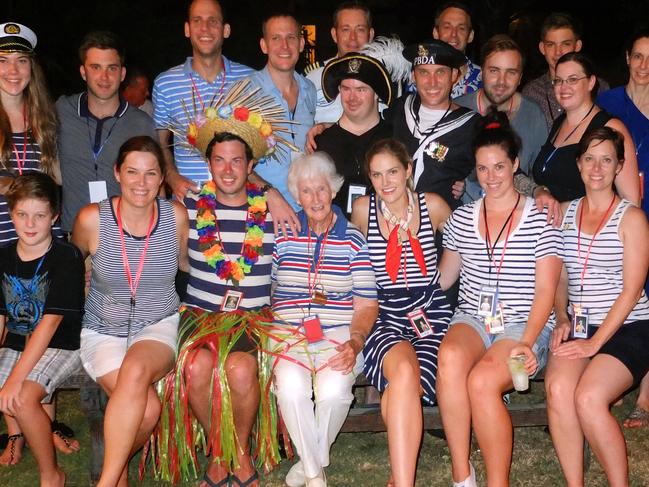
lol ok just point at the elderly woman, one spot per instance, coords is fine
(606, 242)
(325, 298)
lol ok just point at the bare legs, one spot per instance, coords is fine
(37, 428)
(491, 421)
(241, 370)
(642, 402)
(561, 378)
(459, 352)
(603, 380)
(133, 408)
(401, 410)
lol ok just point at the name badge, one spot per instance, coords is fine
(231, 300)
(579, 322)
(487, 301)
(312, 329)
(496, 324)
(355, 191)
(97, 190)
(420, 323)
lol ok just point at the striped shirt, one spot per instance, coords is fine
(530, 240)
(603, 280)
(344, 272)
(31, 162)
(108, 307)
(378, 246)
(205, 289)
(171, 89)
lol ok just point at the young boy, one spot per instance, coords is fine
(41, 303)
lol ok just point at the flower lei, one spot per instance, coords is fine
(209, 238)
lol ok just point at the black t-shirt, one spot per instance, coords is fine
(348, 152)
(30, 291)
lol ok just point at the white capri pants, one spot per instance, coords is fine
(314, 425)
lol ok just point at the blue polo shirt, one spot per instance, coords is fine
(173, 87)
(274, 168)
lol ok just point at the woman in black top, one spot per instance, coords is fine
(555, 166)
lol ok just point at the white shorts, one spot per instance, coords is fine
(101, 354)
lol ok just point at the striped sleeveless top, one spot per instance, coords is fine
(378, 246)
(603, 279)
(108, 302)
(31, 162)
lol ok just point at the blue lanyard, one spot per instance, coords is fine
(96, 153)
(28, 289)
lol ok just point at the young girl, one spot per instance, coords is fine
(40, 315)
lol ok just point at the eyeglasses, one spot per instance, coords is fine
(570, 81)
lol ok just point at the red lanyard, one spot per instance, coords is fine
(320, 257)
(491, 248)
(198, 93)
(21, 162)
(592, 241)
(132, 284)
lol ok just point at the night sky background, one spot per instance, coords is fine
(153, 30)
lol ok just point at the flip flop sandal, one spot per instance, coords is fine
(237, 482)
(640, 415)
(222, 483)
(11, 443)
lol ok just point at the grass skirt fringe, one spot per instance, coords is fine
(179, 434)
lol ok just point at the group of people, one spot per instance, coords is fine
(267, 236)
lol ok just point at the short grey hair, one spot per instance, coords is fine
(318, 164)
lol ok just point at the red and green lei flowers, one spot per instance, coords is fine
(209, 239)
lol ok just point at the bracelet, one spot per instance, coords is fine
(266, 187)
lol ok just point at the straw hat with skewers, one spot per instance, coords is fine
(242, 111)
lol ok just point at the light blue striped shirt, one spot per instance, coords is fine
(274, 169)
(173, 87)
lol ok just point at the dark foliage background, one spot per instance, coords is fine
(153, 29)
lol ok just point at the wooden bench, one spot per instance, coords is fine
(367, 418)
(92, 401)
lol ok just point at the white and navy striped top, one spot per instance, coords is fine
(345, 272)
(378, 246)
(108, 304)
(171, 89)
(531, 239)
(603, 280)
(205, 289)
(31, 163)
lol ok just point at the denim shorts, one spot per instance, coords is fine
(513, 331)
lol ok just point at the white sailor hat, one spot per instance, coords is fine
(16, 37)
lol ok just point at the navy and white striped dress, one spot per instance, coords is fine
(396, 301)
(603, 280)
(108, 305)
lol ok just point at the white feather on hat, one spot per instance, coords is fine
(388, 51)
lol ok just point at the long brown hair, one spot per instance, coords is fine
(42, 121)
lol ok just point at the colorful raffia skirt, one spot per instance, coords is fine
(179, 434)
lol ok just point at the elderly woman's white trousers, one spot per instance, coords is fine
(314, 407)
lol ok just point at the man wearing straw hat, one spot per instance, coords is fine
(220, 379)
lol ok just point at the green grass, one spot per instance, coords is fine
(362, 459)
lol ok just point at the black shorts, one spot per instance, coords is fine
(630, 345)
